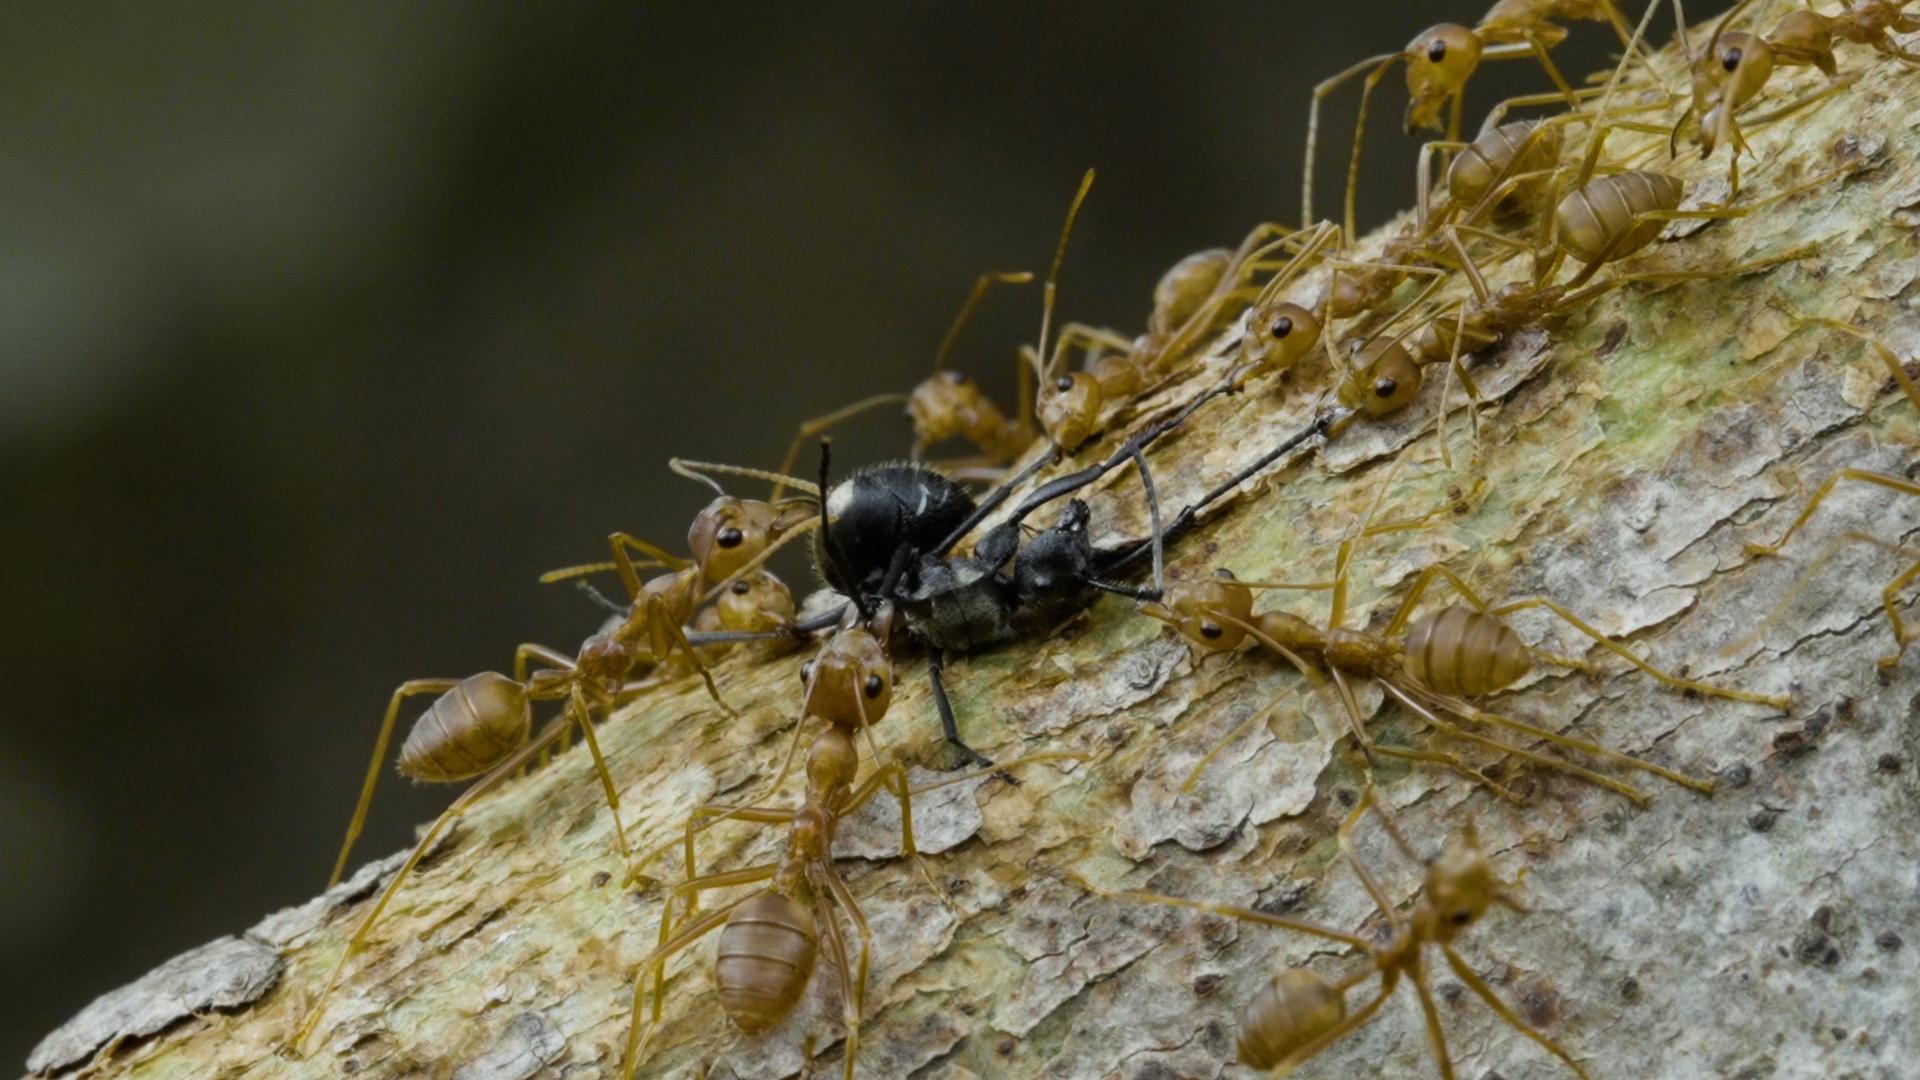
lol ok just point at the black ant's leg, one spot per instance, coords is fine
(936, 663)
(1110, 562)
(826, 620)
(994, 498)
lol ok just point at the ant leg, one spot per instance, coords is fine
(577, 710)
(1431, 757)
(1436, 1034)
(1885, 480)
(850, 994)
(636, 1042)
(998, 770)
(1230, 911)
(1479, 986)
(1889, 596)
(815, 426)
(527, 654)
(936, 664)
(699, 820)
(1466, 711)
(1333, 1034)
(663, 628)
(892, 776)
(736, 813)
(1321, 91)
(358, 941)
(623, 545)
(1231, 737)
(1433, 720)
(1654, 673)
(1895, 368)
(843, 897)
(408, 689)
(1369, 800)
(1359, 137)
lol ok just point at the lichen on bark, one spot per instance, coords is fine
(1625, 455)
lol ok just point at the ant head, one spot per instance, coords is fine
(1461, 885)
(1069, 409)
(947, 405)
(1439, 63)
(1295, 1008)
(1209, 613)
(730, 532)
(758, 602)
(1185, 287)
(850, 682)
(1279, 335)
(1727, 77)
(1381, 378)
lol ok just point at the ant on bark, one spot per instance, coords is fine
(1299, 1013)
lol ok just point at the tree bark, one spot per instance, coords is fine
(1625, 454)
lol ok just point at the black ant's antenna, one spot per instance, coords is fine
(828, 546)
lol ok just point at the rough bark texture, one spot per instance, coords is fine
(1626, 453)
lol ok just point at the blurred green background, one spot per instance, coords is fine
(325, 328)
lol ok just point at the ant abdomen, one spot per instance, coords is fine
(1457, 650)
(467, 730)
(766, 956)
(1185, 286)
(1293, 1009)
(1508, 150)
(1601, 220)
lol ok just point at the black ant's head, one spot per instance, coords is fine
(1056, 562)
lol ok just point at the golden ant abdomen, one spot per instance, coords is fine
(1457, 650)
(1293, 1009)
(1601, 221)
(765, 958)
(467, 730)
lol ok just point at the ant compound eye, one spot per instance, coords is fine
(1385, 388)
(1063, 384)
(730, 537)
(806, 671)
(1730, 59)
(1462, 917)
(957, 378)
(1210, 631)
(1282, 326)
(741, 588)
(875, 684)
(1437, 50)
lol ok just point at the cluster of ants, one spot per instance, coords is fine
(919, 565)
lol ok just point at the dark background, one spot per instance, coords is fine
(324, 330)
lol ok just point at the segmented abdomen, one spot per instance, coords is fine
(467, 730)
(765, 958)
(1457, 650)
(1599, 219)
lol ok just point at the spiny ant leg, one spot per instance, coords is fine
(936, 664)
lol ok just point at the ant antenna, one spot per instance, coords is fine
(600, 599)
(827, 543)
(1043, 364)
